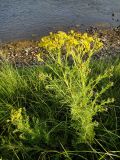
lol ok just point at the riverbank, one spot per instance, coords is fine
(60, 111)
(24, 52)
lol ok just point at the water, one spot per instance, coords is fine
(24, 19)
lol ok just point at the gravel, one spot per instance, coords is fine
(23, 53)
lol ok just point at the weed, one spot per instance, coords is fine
(69, 79)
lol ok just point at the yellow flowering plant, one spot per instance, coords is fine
(20, 120)
(67, 57)
(31, 131)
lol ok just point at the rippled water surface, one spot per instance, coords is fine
(22, 19)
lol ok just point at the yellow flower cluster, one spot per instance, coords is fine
(16, 115)
(53, 41)
(72, 40)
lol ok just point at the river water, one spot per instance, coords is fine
(25, 19)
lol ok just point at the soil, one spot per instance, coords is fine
(23, 53)
(111, 41)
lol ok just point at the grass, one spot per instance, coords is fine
(22, 88)
(37, 116)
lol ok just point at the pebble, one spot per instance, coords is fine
(26, 55)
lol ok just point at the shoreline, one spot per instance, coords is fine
(23, 52)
